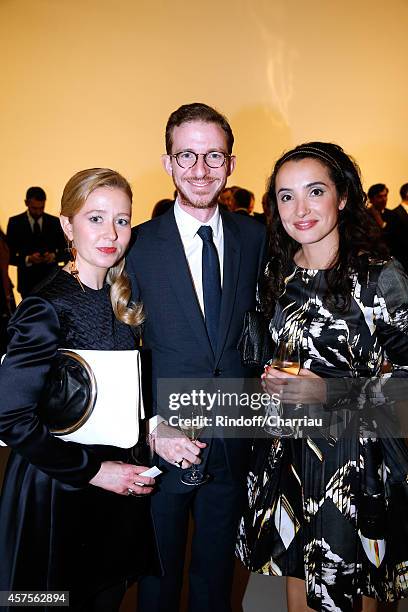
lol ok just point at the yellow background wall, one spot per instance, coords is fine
(91, 83)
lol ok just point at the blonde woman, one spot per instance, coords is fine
(69, 518)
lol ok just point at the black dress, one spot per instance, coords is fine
(57, 531)
(334, 512)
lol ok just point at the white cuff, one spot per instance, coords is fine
(154, 422)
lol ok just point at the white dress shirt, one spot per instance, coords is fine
(193, 244)
(193, 247)
(31, 221)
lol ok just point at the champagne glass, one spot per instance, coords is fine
(286, 358)
(192, 423)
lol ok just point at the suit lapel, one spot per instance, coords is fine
(232, 257)
(44, 223)
(175, 261)
(26, 227)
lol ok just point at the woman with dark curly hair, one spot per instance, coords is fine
(328, 512)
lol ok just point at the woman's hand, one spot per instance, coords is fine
(274, 380)
(122, 478)
(303, 388)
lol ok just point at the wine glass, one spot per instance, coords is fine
(286, 358)
(192, 423)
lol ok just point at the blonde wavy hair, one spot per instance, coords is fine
(75, 194)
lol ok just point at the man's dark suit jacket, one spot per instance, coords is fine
(397, 230)
(174, 330)
(22, 242)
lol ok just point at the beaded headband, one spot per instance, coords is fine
(313, 151)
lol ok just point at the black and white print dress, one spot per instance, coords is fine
(334, 511)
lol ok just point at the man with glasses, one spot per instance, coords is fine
(195, 268)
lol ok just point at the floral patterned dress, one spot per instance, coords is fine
(334, 511)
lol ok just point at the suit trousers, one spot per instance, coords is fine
(215, 508)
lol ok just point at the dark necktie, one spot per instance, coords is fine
(36, 228)
(211, 284)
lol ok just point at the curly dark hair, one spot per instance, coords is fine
(359, 236)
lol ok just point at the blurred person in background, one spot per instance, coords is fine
(244, 202)
(398, 229)
(377, 196)
(36, 242)
(265, 215)
(225, 199)
(161, 207)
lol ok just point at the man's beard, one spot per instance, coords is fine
(199, 203)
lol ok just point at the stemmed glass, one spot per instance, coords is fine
(286, 358)
(192, 423)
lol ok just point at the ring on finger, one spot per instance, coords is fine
(131, 492)
(179, 463)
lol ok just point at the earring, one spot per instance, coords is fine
(73, 270)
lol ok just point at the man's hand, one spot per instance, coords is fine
(35, 258)
(173, 446)
(48, 257)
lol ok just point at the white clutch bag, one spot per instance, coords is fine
(94, 397)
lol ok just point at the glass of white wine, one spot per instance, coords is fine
(286, 359)
(192, 423)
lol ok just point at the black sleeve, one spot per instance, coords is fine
(130, 269)
(390, 317)
(34, 331)
(391, 314)
(16, 257)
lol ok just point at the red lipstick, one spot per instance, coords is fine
(107, 250)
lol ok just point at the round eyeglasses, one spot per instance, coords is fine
(213, 159)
